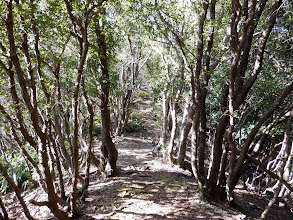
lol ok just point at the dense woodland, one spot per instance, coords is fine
(218, 72)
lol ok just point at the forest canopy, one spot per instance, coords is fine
(219, 74)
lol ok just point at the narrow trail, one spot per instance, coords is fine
(146, 187)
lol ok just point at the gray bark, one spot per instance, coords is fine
(188, 115)
(287, 144)
(165, 106)
(170, 148)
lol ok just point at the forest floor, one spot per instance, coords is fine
(148, 188)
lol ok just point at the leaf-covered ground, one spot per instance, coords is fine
(148, 188)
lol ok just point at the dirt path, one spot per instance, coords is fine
(145, 188)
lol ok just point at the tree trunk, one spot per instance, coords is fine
(202, 180)
(108, 148)
(91, 138)
(165, 105)
(188, 114)
(170, 148)
(17, 192)
(287, 144)
(66, 159)
(4, 155)
(124, 105)
(37, 122)
(4, 211)
(52, 197)
(59, 169)
(83, 51)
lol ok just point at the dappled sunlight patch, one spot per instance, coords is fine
(141, 209)
(133, 139)
(16, 211)
(130, 190)
(145, 188)
(170, 184)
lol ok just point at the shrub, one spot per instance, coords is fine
(22, 174)
(136, 122)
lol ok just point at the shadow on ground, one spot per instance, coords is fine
(147, 188)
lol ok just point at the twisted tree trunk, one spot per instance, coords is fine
(108, 148)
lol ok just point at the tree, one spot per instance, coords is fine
(36, 62)
(214, 133)
(60, 61)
